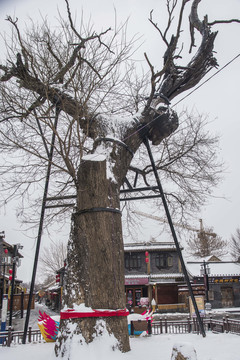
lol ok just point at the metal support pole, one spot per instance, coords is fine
(22, 304)
(206, 282)
(146, 142)
(40, 228)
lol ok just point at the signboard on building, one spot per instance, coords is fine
(200, 305)
(224, 279)
(136, 281)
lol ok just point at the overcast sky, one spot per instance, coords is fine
(218, 98)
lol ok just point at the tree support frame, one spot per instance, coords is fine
(146, 143)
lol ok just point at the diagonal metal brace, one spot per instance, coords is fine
(146, 143)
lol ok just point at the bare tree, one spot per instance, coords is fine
(235, 245)
(53, 258)
(80, 85)
(206, 243)
(188, 164)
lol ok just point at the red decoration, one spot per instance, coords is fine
(146, 253)
(10, 271)
(10, 277)
(147, 260)
(6, 251)
(72, 314)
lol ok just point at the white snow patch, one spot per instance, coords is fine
(94, 157)
(136, 317)
(82, 308)
(79, 308)
(110, 174)
(56, 317)
(101, 154)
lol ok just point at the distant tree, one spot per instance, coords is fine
(37, 286)
(206, 243)
(49, 279)
(235, 245)
(52, 258)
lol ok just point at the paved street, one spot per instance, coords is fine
(18, 323)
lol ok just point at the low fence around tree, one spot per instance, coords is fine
(156, 327)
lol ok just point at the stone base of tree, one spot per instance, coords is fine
(183, 351)
(76, 335)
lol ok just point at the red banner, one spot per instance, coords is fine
(73, 314)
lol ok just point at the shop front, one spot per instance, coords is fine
(136, 289)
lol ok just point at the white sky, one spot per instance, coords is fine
(219, 98)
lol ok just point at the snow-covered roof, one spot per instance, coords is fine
(156, 278)
(136, 276)
(50, 285)
(53, 288)
(150, 246)
(197, 259)
(217, 268)
(166, 276)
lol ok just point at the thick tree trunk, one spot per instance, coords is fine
(95, 271)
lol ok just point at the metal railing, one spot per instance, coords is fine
(157, 327)
(190, 325)
(15, 337)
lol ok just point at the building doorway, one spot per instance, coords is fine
(133, 296)
(167, 294)
(227, 296)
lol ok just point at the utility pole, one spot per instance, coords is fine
(205, 271)
(40, 228)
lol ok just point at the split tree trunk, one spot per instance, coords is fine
(95, 269)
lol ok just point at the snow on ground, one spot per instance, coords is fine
(159, 347)
(212, 347)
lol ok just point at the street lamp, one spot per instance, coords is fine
(205, 271)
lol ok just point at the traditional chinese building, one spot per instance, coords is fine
(51, 294)
(6, 265)
(218, 280)
(153, 271)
